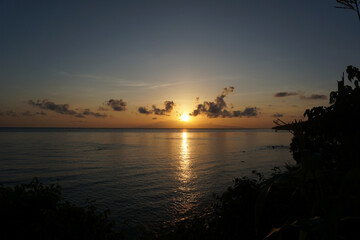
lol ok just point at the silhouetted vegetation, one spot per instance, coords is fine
(350, 5)
(332, 132)
(35, 211)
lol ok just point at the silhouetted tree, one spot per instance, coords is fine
(332, 133)
(350, 5)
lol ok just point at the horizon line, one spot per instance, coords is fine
(126, 128)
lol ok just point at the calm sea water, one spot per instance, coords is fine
(147, 176)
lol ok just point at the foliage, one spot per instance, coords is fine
(35, 211)
(350, 5)
(325, 187)
(332, 132)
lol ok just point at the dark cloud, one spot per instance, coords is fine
(314, 97)
(117, 105)
(62, 109)
(144, 110)
(30, 114)
(218, 108)
(27, 114)
(103, 109)
(48, 105)
(169, 106)
(285, 94)
(41, 113)
(24, 114)
(248, 112)
(154, 118)
(11, 113)
(87, 112)
(278, 115)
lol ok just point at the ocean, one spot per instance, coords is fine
(148, 177)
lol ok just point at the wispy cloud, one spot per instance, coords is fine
(63, 109)
(285, 94)
(120, 82)
(314, 97)
(218, 108)
(301, 95)
(278, 115)
(161, 85)
(10, 113)
(87, 112)
(30, 114)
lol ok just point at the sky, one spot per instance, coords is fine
(130, 64)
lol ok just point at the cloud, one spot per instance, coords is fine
(62, 109)
(161, 85)
(301, 96)
(144, 110)
(103, 109)
(116, 81)
(314, 97)
(41, 113)
(278, 115)
(169, 106)
(30, 114)
(285, 94)
(248, 112)
(48, 105)
(27, 114)
(218, 108)
(117, 105)
(87, 112)
(154, 118)
(11, 113)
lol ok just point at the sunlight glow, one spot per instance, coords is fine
(185, 117)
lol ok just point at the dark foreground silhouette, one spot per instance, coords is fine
(318, 198)
(35, 211)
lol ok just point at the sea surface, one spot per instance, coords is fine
(151, 177)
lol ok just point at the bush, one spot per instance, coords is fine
(35, 211)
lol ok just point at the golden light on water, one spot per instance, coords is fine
(187, 190)
(185, 117)
(184, 160)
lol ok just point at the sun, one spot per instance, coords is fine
(185, 117)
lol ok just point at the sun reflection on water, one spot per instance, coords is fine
(188, 193)
(185, 171)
